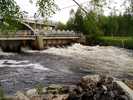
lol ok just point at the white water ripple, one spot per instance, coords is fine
(19, 64)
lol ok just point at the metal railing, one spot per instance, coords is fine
(58, 33)
(20, 33)
(29, 34)
(17, 36)
(61, 35)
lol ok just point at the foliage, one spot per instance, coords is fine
(95, 24)
(78, 22)
(70, 24)
(46, 8)
(118, 25)
(10, 13)
(61, 26)
(97, 6)
(87, 24)
(9, 25)
(9, 8)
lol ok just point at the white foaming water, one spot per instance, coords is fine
(15, 64)
(23, 64)
(40, 67)
(13, 61)
(106, 57)
(27, 50)
(80, 51)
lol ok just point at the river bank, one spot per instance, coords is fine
(90, 87)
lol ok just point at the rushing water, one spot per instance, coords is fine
(62, 65)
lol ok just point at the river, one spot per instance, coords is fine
(64, 65)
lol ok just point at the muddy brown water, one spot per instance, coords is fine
(62, 66)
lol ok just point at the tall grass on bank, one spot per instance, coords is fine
(125, 42)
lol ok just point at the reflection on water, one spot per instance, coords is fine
(62, 65)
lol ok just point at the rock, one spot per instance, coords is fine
(109, 80)
(54, 86)
(47, 97)
(37, 98)
(129, 83)
(97, 87)
(71, 88)
(32, 92)
(64, 90)
(61, 97)
(55, 97)
(123, 97)
(87, 96)
(21, 96)
(55, 89)
(102, 79)
(73, 96)
(125, 88)
(90, 78)
(90, 84)
(111, 93)
(104, 88)
(44, 90)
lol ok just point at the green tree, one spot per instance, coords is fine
(9, 8)
(10, 12)
(61, 26)
(70, 23)
(97, 6)
(46, 8)
(78, 22)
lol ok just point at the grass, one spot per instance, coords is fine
(39, 88)
(2, 96)
(125, 42)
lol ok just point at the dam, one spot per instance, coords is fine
(37, 37)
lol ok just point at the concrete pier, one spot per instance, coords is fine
(40, 43)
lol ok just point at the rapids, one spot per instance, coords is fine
(62, 65)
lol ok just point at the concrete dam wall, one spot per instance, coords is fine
(39, 41)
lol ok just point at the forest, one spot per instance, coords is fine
(116, 28)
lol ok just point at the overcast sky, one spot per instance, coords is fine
(61, 15)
